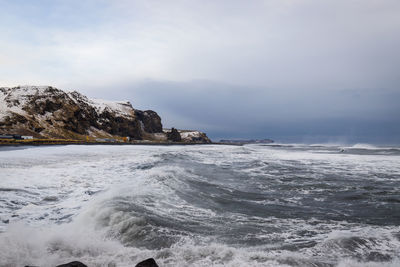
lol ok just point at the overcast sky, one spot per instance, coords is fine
(292, 70)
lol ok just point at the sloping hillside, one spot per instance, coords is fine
(48, 112)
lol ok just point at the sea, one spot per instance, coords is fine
(318, 205)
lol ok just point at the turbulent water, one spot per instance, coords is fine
(253, 205)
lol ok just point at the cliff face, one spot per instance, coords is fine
(47, 112)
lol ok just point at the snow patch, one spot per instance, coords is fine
(122, 108)
(190, 134)
(13, 100)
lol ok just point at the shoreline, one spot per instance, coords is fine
(58, 143)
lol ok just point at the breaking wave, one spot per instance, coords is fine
(200, 206)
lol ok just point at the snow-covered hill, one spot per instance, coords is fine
(48, 112)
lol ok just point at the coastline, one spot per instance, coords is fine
(58, 143)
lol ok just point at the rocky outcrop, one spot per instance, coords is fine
(48, 112)
(174, 135)
(150, 119)
(147, 263)
(194, 136)
(72, 264)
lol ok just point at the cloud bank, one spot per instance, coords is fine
(291, 70)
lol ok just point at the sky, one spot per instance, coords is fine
(292, 70)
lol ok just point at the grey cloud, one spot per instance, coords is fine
(225, 110)
(260, 68)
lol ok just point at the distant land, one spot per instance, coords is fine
(45, 112)
(251, 141)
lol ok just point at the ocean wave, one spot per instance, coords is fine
(200, 206)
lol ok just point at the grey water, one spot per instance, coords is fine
(214, 205)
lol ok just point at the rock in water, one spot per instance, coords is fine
(147, 263)
(73, 264)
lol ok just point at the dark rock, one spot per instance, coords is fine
(151, 121)
(174, 135)
(19, 119)
(73, 264)
(38, 129)
(121, 126)
(147, 263)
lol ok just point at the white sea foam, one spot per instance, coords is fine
(192, 206)
(364, 146)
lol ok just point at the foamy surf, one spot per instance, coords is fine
(210, 205)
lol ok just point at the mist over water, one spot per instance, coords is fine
(253, 205)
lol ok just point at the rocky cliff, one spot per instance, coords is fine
(48, 112)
